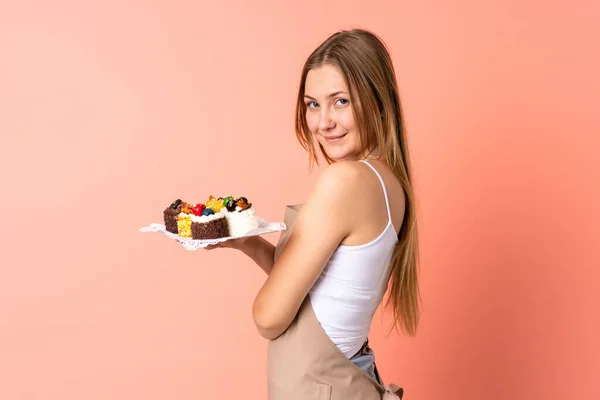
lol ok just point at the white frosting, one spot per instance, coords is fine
(241, 222)
(207, 218)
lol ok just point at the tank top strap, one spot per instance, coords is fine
(387, 203)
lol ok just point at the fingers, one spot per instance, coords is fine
(214, 246)
(225, 244)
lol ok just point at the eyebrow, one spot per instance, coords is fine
(330, 94)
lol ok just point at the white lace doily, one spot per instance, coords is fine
(264, 227)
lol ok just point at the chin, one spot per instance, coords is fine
(341, 150)
(339, 154)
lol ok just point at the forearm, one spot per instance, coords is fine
(261, 251)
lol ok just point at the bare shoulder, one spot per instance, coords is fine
(341, 178)
(360, 200)
(331, 199)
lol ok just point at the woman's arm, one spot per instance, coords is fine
(323, 223)
(257, 248)
(260, 251)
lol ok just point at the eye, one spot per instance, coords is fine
(312, 104)
(342, 102)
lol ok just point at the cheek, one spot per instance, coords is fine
(312, 121)
(346, 119)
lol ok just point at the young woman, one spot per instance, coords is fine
(355, 236)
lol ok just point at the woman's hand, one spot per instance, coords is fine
(260, 250)
(237, 244)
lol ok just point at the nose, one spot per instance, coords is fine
(325, 122)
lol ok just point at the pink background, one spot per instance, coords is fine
(108, 112)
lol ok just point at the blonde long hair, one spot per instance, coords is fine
(367, 67)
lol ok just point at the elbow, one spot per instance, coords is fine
(269, 333)
(267, 324)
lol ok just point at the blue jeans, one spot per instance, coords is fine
(365, 360)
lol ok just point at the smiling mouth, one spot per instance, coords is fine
(334, 138)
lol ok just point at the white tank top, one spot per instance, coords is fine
(351, 287)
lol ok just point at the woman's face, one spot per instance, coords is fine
(329, 113)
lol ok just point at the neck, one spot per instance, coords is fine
(371, 155)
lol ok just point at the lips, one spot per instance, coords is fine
(334, 138)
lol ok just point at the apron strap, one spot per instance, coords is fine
(393, 392)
